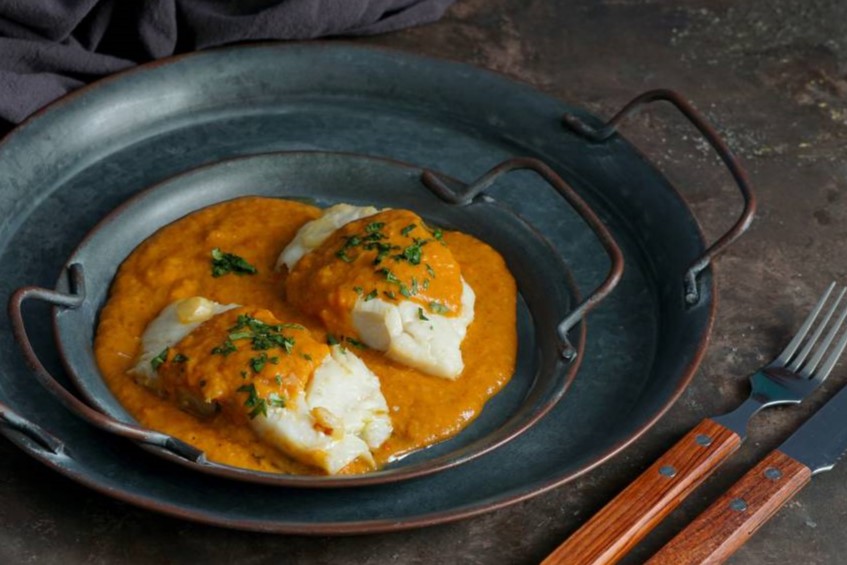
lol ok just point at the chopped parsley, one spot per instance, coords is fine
(258, 363)
(407, 229)
(307, 357)
(223, 263)
(374, 227)
(331, 339)
(278, 380)
(371, 295)
(413, 253)
(355, 343)
(262, 336)
(430, 270)
(276, 401)
(383, 249)
(438, 308)
(390, 294)
(256, 403)
(359, 290)
(225, 349)
(157, 361)
(421, 315)
(240, 335)
(389, 276)
(179, 358)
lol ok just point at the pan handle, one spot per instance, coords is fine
(37, 436)
(467, 193)
(74, 299)
(599, 134)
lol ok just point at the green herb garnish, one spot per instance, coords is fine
(371, 295)
(438, 308)
(421, 315)
(258, 363)
(413, 254)
(157, 361)
(225, 349)
(276, 400)
(407, 229)
(389, 276)
(179, 358)
(355, 343)
(254, 401)
(223, 263)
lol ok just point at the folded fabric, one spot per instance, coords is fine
(50, 47)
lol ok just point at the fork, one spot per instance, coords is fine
(631, 515)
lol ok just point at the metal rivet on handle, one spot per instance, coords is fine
(703, 439)
(738, 504)
(773, 473)
(668, 471)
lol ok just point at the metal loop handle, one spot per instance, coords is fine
(469, 192)
(37, 434)
(74, 299)
(692, 293)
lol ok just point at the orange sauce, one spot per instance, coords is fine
(175, 263)
(189, 370)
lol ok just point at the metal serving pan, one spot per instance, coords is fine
(547, 312)
(66, 168)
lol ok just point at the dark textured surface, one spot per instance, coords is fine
(771, 76)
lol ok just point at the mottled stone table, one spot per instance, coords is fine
(772, 74)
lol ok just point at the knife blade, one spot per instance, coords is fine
(726, 525)
(822, 440)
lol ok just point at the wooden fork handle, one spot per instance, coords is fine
(623, 522)
(724, 527)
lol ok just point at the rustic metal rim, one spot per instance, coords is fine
(424, 468)
(419, 521)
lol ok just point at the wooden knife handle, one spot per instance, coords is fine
(728, 523)
(623, 522)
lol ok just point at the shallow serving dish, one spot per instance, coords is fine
(64, 170)
(547, 310)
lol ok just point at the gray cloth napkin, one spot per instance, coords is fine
(50, 47)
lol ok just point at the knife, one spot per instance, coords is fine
(728, 523)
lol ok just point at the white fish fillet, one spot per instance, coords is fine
(340, 416)
(314, 233)
(174, 322)
(433, 345)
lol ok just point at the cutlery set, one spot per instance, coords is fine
(719, 531)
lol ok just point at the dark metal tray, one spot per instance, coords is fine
(70, 165)
(549, 312)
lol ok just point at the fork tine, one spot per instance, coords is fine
(797, 362)
(816, 358)
(789, 350)
(832, 359)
